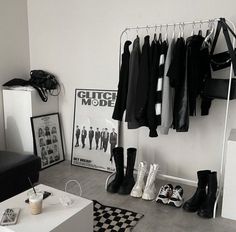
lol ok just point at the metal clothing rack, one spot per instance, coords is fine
(181, 28)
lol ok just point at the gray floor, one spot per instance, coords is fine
(157, 217)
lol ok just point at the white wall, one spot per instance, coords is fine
(14, 46)
(79, 41)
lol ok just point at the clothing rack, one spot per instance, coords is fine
(181, 28)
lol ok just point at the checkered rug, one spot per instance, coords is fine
(111, 219)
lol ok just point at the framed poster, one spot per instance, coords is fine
(95, 133)
(48, 139)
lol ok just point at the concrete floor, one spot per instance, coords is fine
(157, 217)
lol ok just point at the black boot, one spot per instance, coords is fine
(128, 182)
(194, 203)
(207, 208)
(114, 186)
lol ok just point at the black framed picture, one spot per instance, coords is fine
(95, 133)
(47, 137)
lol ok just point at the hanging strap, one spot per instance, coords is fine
(222, 24)
(216, 37)
(229, 43)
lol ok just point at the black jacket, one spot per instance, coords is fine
(197, 70)
(134, 67)
(143, 83)
(120, 104)
(178, 80)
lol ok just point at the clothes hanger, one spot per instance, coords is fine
(160, 35)
(147, 29)
(137, 29)
(155, 34)
(182, 34)
(179, 34)
(209, 34)
(200, 29)
(166, 34)
(193, 30)
(173, 35)
(212, 30)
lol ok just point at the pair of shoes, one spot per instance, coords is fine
(203, 201)
(146, 191)
(169, 196)
(123, 184)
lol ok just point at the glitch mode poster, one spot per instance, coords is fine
(95, 133)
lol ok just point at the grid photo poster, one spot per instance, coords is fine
(48, 139)
(95, 133)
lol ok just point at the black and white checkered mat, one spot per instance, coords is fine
(111, 219)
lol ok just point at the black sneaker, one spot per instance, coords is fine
(164, 194)
(176, 199)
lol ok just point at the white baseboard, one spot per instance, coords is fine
(177, 179)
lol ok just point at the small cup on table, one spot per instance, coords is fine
(35, 202)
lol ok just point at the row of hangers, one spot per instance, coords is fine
(181, 26)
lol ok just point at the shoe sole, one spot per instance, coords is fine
(162, 201)
(145, 197)
(175, 204)
(136, 195)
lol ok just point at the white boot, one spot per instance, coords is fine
(137, 190)
(150, 188)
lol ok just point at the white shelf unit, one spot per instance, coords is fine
(229, 200)
(20, 104)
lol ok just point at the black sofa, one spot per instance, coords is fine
(15, 169)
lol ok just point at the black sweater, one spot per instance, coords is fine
(151, 114)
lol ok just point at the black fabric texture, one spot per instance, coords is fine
(16, 82)
(143, 83)
(134, 69)
(178, 80)
(198, 71)
(154, 67)
(15, 169)
(120, 104)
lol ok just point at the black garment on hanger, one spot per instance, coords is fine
(134, 68)
(206, 66)
(154, 67)
(143, 83)
(158, 103)
(197, 70)
(120, 104)
(178, 80)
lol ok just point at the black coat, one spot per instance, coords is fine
(134, 68)
(143, 83)
(121, 98)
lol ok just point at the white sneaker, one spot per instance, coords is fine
(137, 190)
(164, 194)
(149, 192)
(176, 199)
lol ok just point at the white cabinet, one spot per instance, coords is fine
(20, 104)
(229, 199)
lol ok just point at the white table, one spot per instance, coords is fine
(77, 217)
